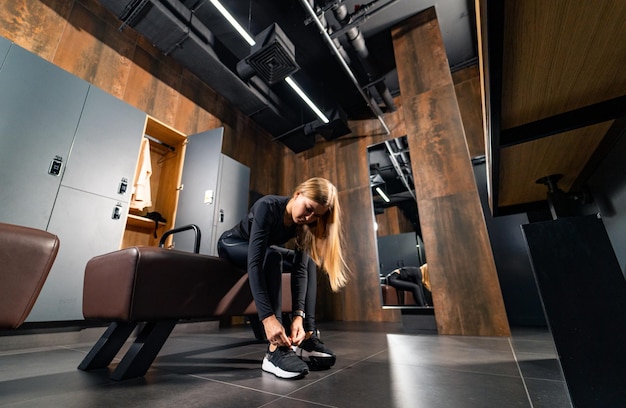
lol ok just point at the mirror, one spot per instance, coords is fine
(402, 267)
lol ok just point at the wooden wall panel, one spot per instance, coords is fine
(441, 161)
(35, 25)
(392, 222)
(466, 291)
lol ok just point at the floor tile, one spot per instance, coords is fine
(378, 365)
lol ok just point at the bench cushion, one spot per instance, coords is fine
(153, 284)
(26, 257)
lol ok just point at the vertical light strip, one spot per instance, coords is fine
(233, 22)
(306, 99)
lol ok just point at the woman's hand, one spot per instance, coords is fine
(297, 330)
(275, 332)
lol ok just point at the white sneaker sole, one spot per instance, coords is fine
(279, 372)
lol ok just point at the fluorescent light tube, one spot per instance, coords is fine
(251, 41)
(306, 99)
(233, 22)
(383, 195)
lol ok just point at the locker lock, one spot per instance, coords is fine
(123, 186)
(117, 212)
(55, 166)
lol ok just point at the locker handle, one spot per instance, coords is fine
(221, 215)
(117, 213)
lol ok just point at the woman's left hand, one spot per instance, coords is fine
(297, 330)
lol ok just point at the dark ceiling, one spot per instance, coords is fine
(197, 35)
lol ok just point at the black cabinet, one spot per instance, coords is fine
(584, 297)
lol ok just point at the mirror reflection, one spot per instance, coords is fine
(403, 270)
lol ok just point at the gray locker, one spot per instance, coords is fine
(4, 49)
(232, 198)
(105, 151)
(215, 192)
(86, 228)
(54, 122)
(40, 106)
(89, 214)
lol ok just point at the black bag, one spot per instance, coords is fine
(157, 217)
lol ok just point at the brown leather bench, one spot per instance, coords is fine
(395, 297)
(26, 257)
(158, 287)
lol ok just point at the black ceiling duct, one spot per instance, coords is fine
(272, 58)
(336, 127)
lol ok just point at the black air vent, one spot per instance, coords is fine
(272, 58)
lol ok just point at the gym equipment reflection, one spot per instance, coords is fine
(403, 272)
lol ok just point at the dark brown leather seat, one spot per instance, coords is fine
(395, 297)
(26, 257)
(152, 284)
(157, 287)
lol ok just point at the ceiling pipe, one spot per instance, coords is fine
(396, 165)
(355, 36)
(403, 151)
(329, 30)
(373, 107)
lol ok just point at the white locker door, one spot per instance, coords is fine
(106, 147)
(86, 227)
(40, 106)
(196, 200)
(4, 49)
(232, 198)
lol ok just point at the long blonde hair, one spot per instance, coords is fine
(323, 240)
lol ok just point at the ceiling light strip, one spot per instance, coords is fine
(226, 14)
(306, 99)
(382, 194)
(343, 63)
(233, 22)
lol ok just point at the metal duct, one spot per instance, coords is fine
(172, 28)
(272, 58)
(355, 36)
(329, 30)
(398, 167)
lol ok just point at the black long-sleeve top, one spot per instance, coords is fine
(262, 227)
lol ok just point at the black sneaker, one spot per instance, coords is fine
(315, 353)
(284, 363)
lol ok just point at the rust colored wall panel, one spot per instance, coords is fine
(466, 291)
(437, 143)
(34, 25)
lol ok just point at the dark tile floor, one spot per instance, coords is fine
(378, 365)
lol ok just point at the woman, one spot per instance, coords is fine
(413, 279)
(312, 216)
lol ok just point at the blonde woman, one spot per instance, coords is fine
(312, 216)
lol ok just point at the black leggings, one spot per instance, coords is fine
(277, 261)
(410, 279)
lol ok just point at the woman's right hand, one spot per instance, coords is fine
(275, 332)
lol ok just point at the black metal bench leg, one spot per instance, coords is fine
(107, 347)
(144, 350)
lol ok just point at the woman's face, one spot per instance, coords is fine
(306, 211)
